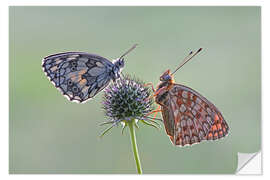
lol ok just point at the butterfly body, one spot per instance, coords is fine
(188, 117)
(79, 75)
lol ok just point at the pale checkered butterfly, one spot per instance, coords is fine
(79, 75)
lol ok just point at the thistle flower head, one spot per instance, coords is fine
(127, 99)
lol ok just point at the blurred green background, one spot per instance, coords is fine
(49, 134)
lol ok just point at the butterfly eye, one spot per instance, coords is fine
(165, 77)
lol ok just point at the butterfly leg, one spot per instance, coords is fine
(156, 92)
(153, 89)
(155, 115)
(155, 111)
(150, 84)
(159, 90)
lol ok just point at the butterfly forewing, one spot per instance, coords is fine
(195, 118)
(79, 76)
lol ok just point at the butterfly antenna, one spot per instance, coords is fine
(189, 57)
(128, 51)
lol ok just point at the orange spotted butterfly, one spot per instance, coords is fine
(188, 116)
(79, 75)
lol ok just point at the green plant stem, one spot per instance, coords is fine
(134, 146)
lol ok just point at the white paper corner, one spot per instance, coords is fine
(249, 163)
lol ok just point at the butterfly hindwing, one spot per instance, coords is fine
(195, 118)
(79, 76)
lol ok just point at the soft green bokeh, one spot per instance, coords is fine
(49, 134)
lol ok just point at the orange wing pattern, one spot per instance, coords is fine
(194, 118)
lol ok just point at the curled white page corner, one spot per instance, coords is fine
(249, 163)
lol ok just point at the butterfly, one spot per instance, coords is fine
(79, 75)
(188, 116)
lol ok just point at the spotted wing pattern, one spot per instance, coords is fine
(193, 117)
(79, 76)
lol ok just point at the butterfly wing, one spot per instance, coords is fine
(194, 118)
(168, 119)
(79, 76)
